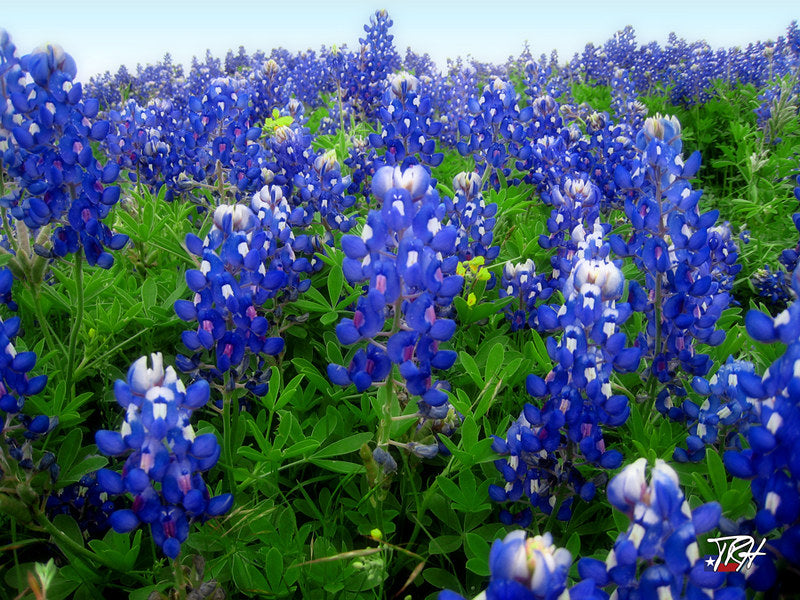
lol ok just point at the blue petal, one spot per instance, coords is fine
(123, 521)
(338, 375)
(109, 443)
(760, 326)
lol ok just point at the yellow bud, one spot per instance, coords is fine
(461, 269)
(376, 533)
(476, 263)
(471, 299)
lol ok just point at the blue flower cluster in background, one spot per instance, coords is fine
(58, 187)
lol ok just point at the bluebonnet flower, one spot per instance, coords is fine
(6, 285)
(322, 188)
(450, 95)
(361, 162)
(17, 383)
(164, 458)
(473, 218)
(19, 459)
(722, 418)
(779, 104)
(789, 257)
(521, 282)
(248, 261)
(223, 136)
(658, 555)
(408, 129)
(525, 568)
(689, 264)
(576, 204)
(544, 442)
(267, 82)
(495, 132)
(377, 57)
(625, 103)
(58, 187)
(776, 286)
(406, 257)
(769, 462)
(688, 70)
(87, 502)
(291, 147)
(145, 141)
(773, 286)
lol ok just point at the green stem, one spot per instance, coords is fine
(227, 399)
(98, 359)
(14, 538)
(553, 516)
(76, 323)
(180, 582)
(220, 184)
(426, 498)
(385, 426)
(341, 107)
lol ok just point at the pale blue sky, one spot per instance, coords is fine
(101, 35)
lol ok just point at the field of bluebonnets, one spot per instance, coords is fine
(340, 325)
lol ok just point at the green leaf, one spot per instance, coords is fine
(69, 448)
(485, 309)
(301, 447)
(309, 306)
(338, 466)
(241, 573)
(479, 566)
(252, 454)
(703, 487)
(450, 489)
(335, 282)
(477, 547)
(493, 360)
(329, 317)
(100, 547)
(444, 544)
(621, 521)
(70, 527)
(574, 545)
(274, 568)
(87, 465)
(471, 368)
(287, 394)
(469, 433)
(345, 446)
(716, 473)
(441, 579)
(149, 293)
